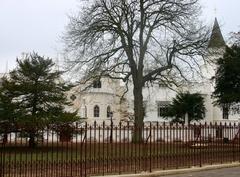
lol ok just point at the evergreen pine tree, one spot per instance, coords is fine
(7, 110)
(227, 78)
(38, 94)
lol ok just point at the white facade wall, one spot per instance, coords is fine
(110, 92)
(106, 96)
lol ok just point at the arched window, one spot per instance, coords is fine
(96, 111)
(85, 112)
(108, 111)
(97, 84)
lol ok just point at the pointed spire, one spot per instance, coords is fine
(216, 39)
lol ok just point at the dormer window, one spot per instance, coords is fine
(97, 84)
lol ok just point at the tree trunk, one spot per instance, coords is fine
(31, 141)
(5, 138)
(225, 110)
(66, 133)
(65, 136)
(139, 113)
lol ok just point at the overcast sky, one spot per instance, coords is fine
(36, 25)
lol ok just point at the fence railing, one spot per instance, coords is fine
(84, 150)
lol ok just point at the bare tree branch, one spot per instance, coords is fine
(137, 40)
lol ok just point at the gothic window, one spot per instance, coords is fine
(108, 112)
(97, 84)
(96, 111)
(85, 112)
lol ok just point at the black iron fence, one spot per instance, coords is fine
(84, 150)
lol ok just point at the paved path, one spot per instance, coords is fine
(226, 172)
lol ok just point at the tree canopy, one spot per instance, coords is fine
(227, 79)
(184, 103)
(137, 40)
(235, 38)
(38, 95)
(8, 114)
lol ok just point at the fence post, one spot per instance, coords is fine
(222, 130)
(200, 136)
(238, 140)
(120, 143)
(1, 161)
(150, 137)
(164, 145)
(233, 142)
(85, 150)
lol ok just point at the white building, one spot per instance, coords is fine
(96, 103)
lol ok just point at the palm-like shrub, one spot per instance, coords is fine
(186, 103)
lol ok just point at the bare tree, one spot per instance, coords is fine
(137, 40)
(235, 38)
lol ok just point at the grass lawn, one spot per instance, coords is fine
(98, 151)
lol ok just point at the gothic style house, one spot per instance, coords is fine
(97, 103)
